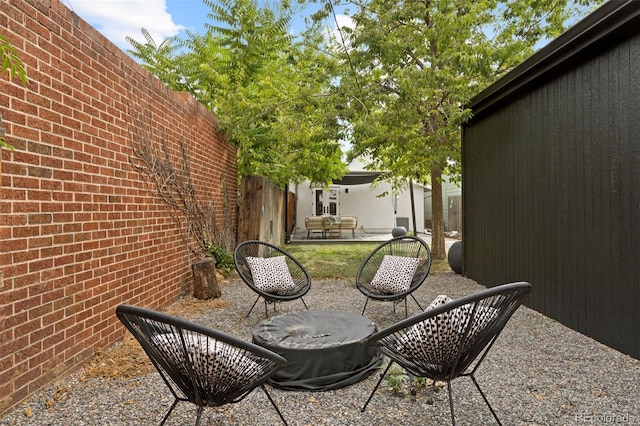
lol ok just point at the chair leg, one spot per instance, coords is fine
(453, 418)
(417, 303)
(406, 311)
(274, 404)
(199, 417)
(365, 305)
(384, 373)
(305, 305)
(495, 416)
(166, 416)
(253, 306)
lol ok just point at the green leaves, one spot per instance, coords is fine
(157, 59)
(394, 85)
(273, 95)
(416, 64)
(12, 64)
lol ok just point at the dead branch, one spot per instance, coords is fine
(173, 184)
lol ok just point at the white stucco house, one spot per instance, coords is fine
(355, 196)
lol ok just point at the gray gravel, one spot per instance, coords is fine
(538, 373)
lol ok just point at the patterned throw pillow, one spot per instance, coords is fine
(440, 299)
(395, 273)
(438, 338)
(271, 275)
(215, 360)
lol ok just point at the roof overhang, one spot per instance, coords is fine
(612, 19)
(357, 178)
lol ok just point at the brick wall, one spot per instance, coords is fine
(80, 230)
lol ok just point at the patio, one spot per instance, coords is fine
(539, 373)
(360, 234)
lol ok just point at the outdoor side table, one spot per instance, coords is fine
(323, 349)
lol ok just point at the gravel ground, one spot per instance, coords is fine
(538, 373)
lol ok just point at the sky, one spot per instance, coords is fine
(117, 19)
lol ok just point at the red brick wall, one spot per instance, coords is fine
(80, 230)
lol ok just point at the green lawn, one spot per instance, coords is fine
(340, 260)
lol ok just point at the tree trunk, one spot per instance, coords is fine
(205, 284)
(437, 216)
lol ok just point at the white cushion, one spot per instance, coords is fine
(395, 273)
(271, 275)
(439, 337)
(218, 361)
(440, 299)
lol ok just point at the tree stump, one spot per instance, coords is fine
(205, 284)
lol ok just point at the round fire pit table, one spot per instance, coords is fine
(323, 349)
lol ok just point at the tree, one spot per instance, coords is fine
(272, 95)
(415, 65)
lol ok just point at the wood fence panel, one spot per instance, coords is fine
(261, 211)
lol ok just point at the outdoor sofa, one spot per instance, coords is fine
(331, 225)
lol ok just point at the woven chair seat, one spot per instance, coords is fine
(200, 365)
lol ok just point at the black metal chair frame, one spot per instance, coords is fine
(176, 361)
(447, 364)
(255, 248)
(407, 246)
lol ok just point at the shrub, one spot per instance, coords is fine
(223, 259)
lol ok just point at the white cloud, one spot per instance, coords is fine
(117, 19)
(343, 21)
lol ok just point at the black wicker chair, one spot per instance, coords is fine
(450, 340)
(200, 365)
(405, 247)
(296, 275)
